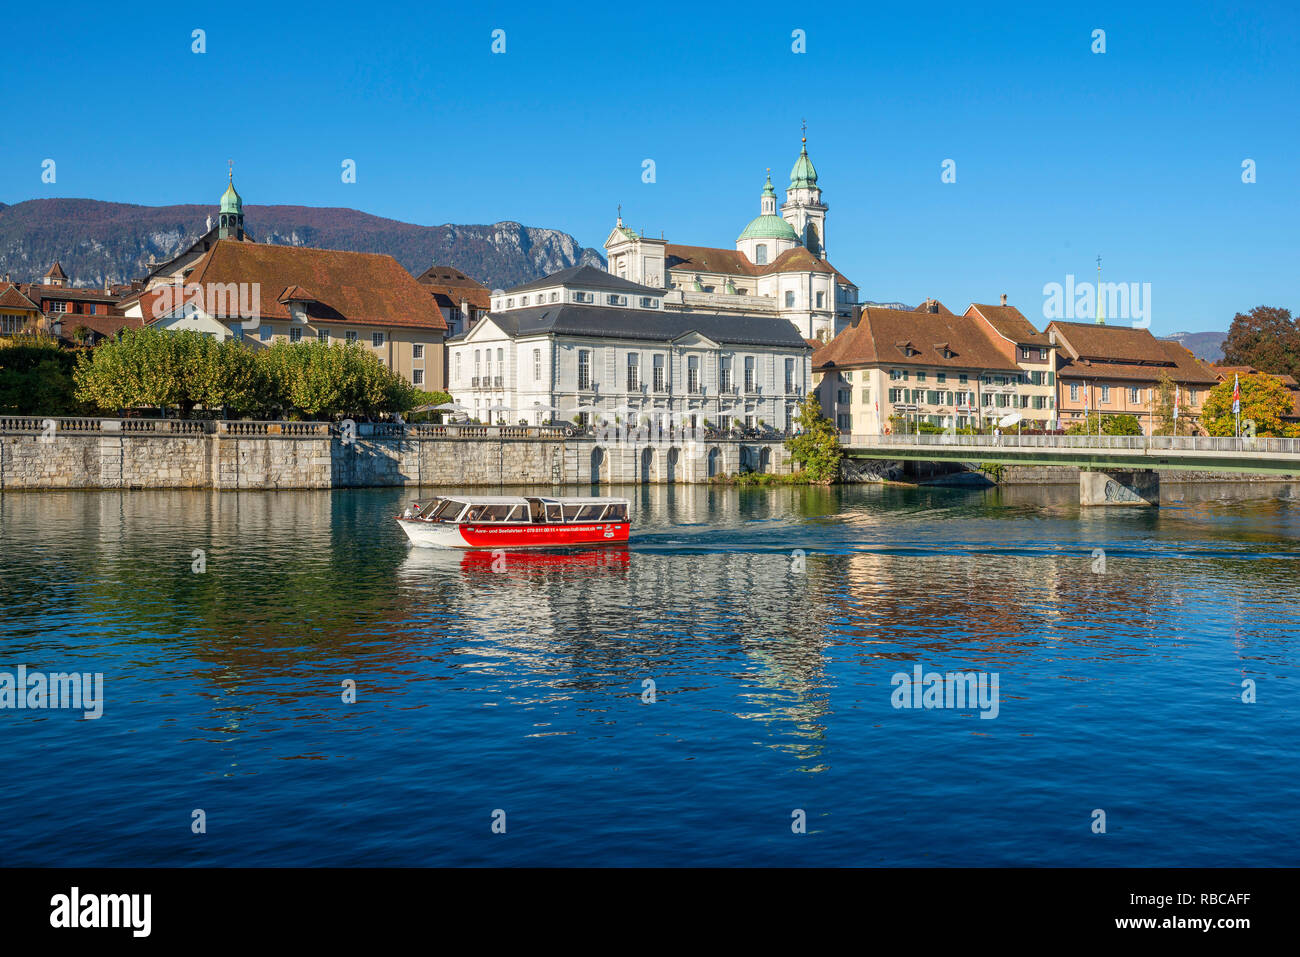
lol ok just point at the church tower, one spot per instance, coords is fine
(803, 208)
(231, 223)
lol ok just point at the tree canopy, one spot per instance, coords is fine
(1264, 400)
(816, 447)
(153, 368)
(1266, 338)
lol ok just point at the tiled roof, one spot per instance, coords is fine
(104, 325)
(453, 286)
(45, 291)
(587, 277)
(13, 298)
(735, 263)
(1090, 340)
(880, 335)
(1011, 324)
(56, 272)
(648, 324)
(362, 288)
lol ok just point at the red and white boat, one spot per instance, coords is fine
(474, 521)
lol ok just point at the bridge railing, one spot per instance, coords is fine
(1131, 443)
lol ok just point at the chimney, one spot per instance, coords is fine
(1004, 299)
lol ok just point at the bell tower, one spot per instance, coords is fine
(803, 208)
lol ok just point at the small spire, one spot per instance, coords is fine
(620, 214)
(232, 173)
(803, 132)
(1101, 315)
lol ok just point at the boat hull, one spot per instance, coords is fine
(499, 535)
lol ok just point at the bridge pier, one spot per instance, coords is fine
(1139, 487)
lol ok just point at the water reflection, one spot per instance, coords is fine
(769, 619)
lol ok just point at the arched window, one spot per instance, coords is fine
(812, 240)
(760, 254)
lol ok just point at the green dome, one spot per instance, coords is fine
(770, 227)
(230, 201)
(804, 174)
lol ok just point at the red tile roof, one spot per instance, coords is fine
(13, 298)
(104, 325)
(1010, 323)
(362, 288)
(880, 335)
(1095, 351)
(734, 262)
(56, 272)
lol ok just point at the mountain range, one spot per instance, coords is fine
(1203, 345)
(99, 243)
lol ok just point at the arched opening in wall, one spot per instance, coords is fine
(765, 460)
(647, 464)
(812, 240)
(715, 461)
(597, 464)
(673, 456)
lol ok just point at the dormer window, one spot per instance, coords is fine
(615, 300)
(648, 303)
(555, 297)
(510, 303)
(523, 300)
(583, 297)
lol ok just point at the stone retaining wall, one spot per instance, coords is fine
(225, 461)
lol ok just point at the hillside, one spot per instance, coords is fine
(100, 242)
(1203, 345)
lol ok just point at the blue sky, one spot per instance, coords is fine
(1060, 153)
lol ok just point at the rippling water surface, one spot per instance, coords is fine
(521, 688)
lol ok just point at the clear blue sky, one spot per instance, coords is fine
(1061, 153)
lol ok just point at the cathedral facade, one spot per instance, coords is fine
(778, 265)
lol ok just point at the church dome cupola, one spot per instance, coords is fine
(804, 174)
(231, 215)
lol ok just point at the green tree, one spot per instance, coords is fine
(36, 377)
(1266, 338)
(1264, 400)
(1121, 425)
(816, 447)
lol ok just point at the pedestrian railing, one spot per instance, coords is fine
(1118, 443)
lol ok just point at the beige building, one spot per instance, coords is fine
(1116, 370)
(1033, 353)
(893, 368)
(261, 294)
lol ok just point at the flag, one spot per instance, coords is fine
(1236, 395)
(1175, 401)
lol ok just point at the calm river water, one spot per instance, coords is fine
(771, 623)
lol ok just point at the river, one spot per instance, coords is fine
(721, 692)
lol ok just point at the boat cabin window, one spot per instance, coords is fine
(553, 513)
(616, 513)
(430, 508)
(491, 513)
(583, 513)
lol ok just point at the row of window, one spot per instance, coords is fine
(1136, 395)
(633, 372)
(541, 299)
(967, 400)
(266, 332)
(1036, 377)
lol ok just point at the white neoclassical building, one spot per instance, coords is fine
(583, 344)
(778, 266)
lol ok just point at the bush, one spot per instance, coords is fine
(36, 377)
(153, 368)
(816, 447)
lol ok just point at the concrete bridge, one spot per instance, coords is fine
(1114, 469)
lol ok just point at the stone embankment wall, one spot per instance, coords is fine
(1069, 475)
(127, 454)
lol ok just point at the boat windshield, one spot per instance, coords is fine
(446, 511)
(430, 508)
